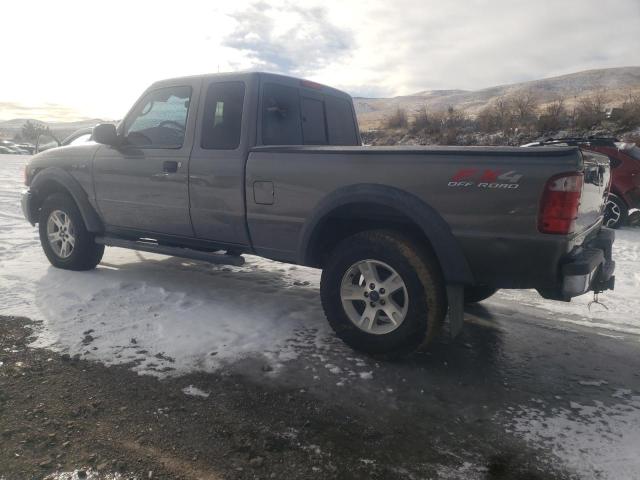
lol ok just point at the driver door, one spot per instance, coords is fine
(142, 185)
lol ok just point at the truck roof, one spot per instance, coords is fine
(248, 75)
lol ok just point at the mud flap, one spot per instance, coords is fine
(455, 296)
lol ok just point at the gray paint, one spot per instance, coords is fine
(263, 199)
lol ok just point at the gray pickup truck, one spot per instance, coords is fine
(211, 167)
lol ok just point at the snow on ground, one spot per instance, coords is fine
(623, 303)
(163, 315)
(599, 440)
(195, 392)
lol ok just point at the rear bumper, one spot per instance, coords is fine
(591, 268)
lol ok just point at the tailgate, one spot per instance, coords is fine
(597, 176)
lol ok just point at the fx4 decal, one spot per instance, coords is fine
(475, 177)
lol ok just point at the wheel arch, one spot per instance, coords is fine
(351, 209)
(616, 193)
(54, 179)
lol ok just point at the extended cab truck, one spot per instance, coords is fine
(211, 167)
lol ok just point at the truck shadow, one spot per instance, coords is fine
(205, 316)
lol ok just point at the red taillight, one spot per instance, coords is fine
(560, 203)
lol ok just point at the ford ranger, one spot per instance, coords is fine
(215, 166)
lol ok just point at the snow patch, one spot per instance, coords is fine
(596, 441)
(195, 392)
(593, 383)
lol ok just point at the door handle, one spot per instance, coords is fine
(170, 166)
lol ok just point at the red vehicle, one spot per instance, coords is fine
(625, 169)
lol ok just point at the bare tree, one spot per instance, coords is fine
(421, 119)
(590, 111)
(502, 113)
(525, 105)
(554, 116)
(486, 121)
(629, 113)
(32, 130)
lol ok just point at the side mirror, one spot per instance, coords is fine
(106, 133)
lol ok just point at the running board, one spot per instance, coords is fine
(219, 258)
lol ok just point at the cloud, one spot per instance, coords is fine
(413, 45)
(366, 47)
(288, 38)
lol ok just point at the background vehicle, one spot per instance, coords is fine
(210, 167)
(624, 193)
(12, 148)
(78, 137)
(47, 142)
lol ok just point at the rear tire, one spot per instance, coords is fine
(64, 237)
(406, 315)
(478, 293)
(616, 213)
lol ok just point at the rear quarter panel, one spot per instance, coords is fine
(496, 226)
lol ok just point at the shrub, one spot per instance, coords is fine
(554, 117)
(590, 111)
(421, 120)
(398, 119)
(629, 113)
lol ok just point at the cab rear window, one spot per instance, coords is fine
(292, 116)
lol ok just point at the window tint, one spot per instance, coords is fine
(313, 127)
(280, 115)
(160, 119)
(222, 120)
(342, 128)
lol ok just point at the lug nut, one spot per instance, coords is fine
(373, 304)
(382, 291)
(366, 294)
(372, 286)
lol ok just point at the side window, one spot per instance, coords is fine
(222, 120)
(280, 115)
(614, 161)
(342, 128)
(160, 119)
(313, 126)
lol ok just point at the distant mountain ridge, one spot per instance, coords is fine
(616, 83)
(9, 128)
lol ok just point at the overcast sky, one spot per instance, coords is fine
(86, 58)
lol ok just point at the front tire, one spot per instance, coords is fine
(64, 237)
(383, 294)
(616, 213)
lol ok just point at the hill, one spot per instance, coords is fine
(616, 83)
(9, 128)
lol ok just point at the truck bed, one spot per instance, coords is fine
(495, 224)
